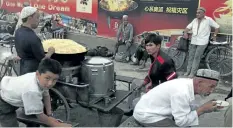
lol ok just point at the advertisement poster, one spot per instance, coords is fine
(169, 17)
(103, 17)
(85, 9)
(221, 12)
(78, 15)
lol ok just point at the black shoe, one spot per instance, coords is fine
(130, 113)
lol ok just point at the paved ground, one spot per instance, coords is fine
(90, 118)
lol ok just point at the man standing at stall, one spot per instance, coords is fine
(201, 28)
(19, 22)
(125, 36)
(28, 45)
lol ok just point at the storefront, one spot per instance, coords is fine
(103, 17)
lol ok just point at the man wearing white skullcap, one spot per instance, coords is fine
(28, 45)
(19, 23)
(172, 103)
(29, 48)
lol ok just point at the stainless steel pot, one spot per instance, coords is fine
(98, 72)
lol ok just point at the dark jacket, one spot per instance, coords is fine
(29, 48)
(162, 69)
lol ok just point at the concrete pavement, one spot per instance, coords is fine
(79, 114)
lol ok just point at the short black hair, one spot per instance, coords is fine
(153, 38)
(49, 65)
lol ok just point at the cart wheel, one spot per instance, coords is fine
(220, 59)
(177, 55)
(60, 106)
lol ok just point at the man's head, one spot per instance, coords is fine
(205, 81)
(48, 73)
(26, 4)
(200, 12)
(125, 19)
(153, 43)
(30, 16)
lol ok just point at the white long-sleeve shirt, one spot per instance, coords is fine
(201, 36)
(170, 99)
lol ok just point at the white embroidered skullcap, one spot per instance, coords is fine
(25, 4)
(125, 16)
(208, 74)
(202, 8)
(27, 11)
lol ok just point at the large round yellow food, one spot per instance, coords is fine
(63, 46)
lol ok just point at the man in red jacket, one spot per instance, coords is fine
(162, 69)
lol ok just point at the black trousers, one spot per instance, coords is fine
(27, 66)
(7, 114)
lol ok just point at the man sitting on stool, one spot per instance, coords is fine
(126, 32)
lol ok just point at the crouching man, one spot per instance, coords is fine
(170, 104)
(30, 91)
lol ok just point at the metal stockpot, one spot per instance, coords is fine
(98, 72)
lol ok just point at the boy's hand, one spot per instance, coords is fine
(64, 125)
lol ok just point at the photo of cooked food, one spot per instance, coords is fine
(118, 5)
(223, 16)
(117, 8)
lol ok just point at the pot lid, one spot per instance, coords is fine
(98, 60)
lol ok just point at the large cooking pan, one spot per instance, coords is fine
(73, 59)
(118, 14)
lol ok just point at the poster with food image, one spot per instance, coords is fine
(84, 6)
(166, 16)
(221, 12)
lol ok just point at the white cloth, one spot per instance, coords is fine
(27, 11)
(201, 36)
(23, 91)
(170, 99)
(19, 23)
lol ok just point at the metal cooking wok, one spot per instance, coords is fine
(73, 59)
(118, 14)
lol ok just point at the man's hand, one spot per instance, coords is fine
(213, 38)
(208, 107)
(51, 50)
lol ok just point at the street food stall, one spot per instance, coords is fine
(90, 82)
